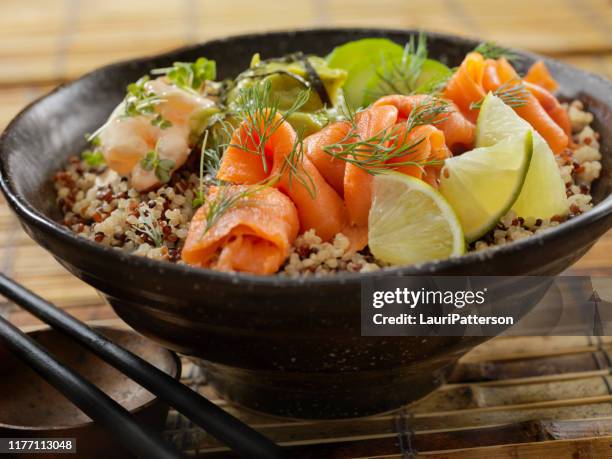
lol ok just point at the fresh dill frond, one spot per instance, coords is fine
(374, 154)
(491, 50)
(513, 93)
(190, 76)
(148, 226)
(228, 197)
(292, 166)
(258, 111)
(401, 77)
(428, 111)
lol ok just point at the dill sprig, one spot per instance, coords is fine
(491, 50)
(292, 166)
(401, 77)
(190, 76)
(258, 111)
(436, 85)
(148, 226)
(428, 111)
(228, 197)
(513, 93)
(374, 154)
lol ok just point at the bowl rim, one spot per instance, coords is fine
(31, 216)
(177, 369)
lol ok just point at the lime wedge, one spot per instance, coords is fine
(410, 222)
(543, 194)
(482, 185)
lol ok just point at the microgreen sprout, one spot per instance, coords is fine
(161, 167)
(190, 76)
(149, 226)
(93, 158)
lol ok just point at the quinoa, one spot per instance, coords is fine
(310, 255)
(99, 205)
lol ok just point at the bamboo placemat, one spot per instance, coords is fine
(539, 397)
(527, 397)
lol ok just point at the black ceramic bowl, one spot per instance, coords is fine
(284, 346)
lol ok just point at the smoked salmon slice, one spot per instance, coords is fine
(319, 206)
(357, 181)
(459, 132)
(255, 235)
(533, 112)
(477, 76)
(466, 85)
(331, 168)
(538, 74)
(552, 106)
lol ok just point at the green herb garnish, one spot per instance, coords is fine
(199, 199)
(375, 153)
(491, 50)
(227, 198)
(190, 76)
(292, 166)
(513, 93)
(258, 112)
(139, 100)
(147, 225)
(162, 167)
(93, 158)
(401, 77)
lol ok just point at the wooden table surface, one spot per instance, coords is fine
(503, 383)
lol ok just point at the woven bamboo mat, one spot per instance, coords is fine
(512, 397)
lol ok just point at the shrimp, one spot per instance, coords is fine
(126, 140)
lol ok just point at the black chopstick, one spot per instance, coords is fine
(244, 440)
(91, 400)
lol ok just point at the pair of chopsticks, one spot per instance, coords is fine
(101, 408)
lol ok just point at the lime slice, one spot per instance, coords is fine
(360, 59)
(483, 184)
(543, 194)
(347, 55)
(410, 222)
